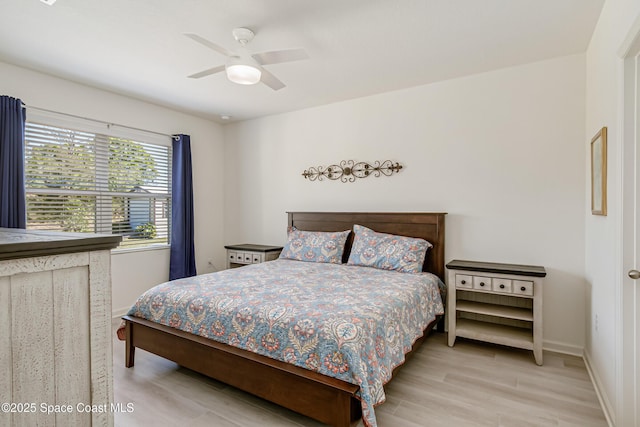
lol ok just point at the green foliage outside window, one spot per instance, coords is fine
(73, 162)
(146, 231)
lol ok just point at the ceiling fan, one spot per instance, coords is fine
(245, 68)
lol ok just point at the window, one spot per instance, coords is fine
(82, 181)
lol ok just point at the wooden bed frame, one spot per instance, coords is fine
(323, 398)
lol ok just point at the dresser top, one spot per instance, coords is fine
(19, 243)
(494, 267)
(253, 248)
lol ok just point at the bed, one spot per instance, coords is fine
(330, 399)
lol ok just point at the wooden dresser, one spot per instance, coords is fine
(55, 328)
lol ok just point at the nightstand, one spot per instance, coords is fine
(239, 255)
(496, 303)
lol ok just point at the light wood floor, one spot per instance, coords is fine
(471, 384)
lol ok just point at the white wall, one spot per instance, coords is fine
(135, 272)
(602, 239)
(501, 152)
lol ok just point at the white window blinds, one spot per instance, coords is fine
(83, 181)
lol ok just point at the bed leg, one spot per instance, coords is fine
(130, 350)
(343, 411)
(440, 324)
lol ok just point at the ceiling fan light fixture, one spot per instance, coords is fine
(244, 67)
(243, 74)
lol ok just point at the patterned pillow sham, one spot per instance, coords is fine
(315, 246)
(387, 251)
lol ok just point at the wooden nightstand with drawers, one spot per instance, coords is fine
(239, 255)
(497, 303)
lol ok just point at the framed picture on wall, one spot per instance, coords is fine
(599, 173)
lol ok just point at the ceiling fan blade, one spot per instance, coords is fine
(271, 80)
(208, 44)
(279, 56)
(207, 72)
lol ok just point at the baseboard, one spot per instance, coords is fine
(119, 312)
(558, 347)
(597, 385)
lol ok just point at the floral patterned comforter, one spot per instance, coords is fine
(348, 322)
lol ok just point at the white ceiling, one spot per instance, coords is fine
(356, 47)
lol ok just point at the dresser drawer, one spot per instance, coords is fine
(502, 285)
(232, 256)
(482, 283)
(523, 287)
(240, 257)
(464, 281)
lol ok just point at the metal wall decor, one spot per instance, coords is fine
(349, 170)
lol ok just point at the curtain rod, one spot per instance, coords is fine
(99, 121)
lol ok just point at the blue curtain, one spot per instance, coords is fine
(13, 213)
(182, 262)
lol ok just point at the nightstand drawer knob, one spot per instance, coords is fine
(501, 286)
(481, 283)
(463, 282)
(522, 288)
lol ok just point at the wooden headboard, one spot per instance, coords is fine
(425, 225)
